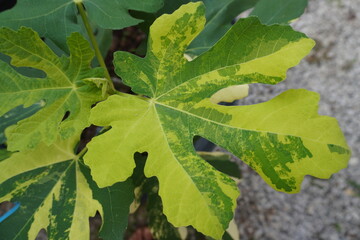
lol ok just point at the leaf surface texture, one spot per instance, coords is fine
(56, 193)
(67, 95)
(283, 139)
(57, 19)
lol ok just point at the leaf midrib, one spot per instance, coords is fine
(239, 128)
(46, 60)
(188, 175)
(221, 68)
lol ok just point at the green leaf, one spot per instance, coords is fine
(283, 139)
(4, 154)
(102, 36)
(220, 14)
(57, 19)
(161, 229)
(15, 115)
(63, 89)
(26, 71)
(279, 11)
(147, 188)
(56, 193)
(115, 201)
(221, 161)
(219, 17)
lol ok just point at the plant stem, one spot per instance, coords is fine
(84, 150)
(94, 42)
(81, 153)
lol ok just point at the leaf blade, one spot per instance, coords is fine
(217, 207)
(57, 19)
(63, 89)
(178, 106)
(15, 115)
(57, 193)
(279, 11)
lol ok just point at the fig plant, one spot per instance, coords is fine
(194, 59)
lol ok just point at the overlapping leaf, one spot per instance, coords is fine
(221, 161)
(279, 11)
(283, 139)
(160, 227)
(56, 193)
(64, 88)
(147, 189)
(57, 19)
(220, 15)
(15, 115)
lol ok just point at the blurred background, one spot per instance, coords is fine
(325, 209)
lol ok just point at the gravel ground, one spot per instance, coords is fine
(325, 209)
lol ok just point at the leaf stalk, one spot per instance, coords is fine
(81, 153)
(94, 43)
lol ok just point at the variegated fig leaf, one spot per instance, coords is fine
(222, 162)
(64, 89)
(57, 19)
(220, 14)
(56, 193)
(283, 139)
(160, 228)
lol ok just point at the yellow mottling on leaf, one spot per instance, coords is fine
(41, 216)
(20, 188)
(85, 206)
(277, 63)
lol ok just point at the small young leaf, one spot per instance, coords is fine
(63, 89)
(57, 19)
(56, 193)
(283, 139)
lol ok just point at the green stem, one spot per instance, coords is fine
(94, 42)
(80, 154)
